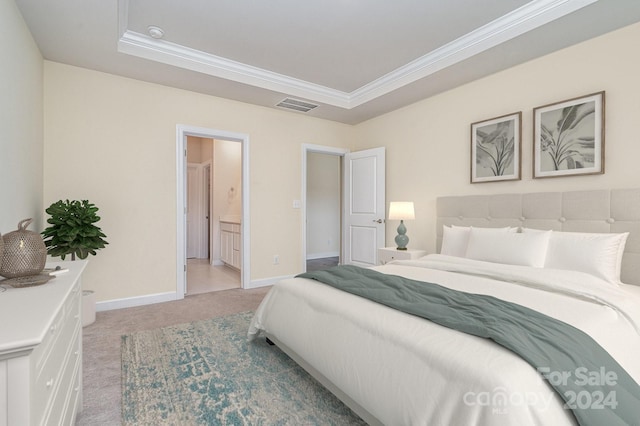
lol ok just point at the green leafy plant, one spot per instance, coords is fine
(73, 230)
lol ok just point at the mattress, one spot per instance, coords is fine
(406, 370)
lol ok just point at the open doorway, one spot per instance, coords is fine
(221, 194)
(322, 194)
(323, 210)
(362, 212)
(214, 206)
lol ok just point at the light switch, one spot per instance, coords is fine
(296, 204)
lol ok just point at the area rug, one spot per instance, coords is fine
(207, 373)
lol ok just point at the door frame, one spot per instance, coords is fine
(318, 149)
(182, 131)
(206, 245)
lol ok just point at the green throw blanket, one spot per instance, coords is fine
(597, 389)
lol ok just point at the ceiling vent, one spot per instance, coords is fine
(296, 105)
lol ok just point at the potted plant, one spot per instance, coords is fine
(73, 230)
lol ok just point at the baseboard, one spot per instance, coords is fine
(266, 282)
(150, 299)
(130, 302)
(323, 255)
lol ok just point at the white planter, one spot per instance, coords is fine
(88, 307)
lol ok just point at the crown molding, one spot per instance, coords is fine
(505, 28)
(524, 19)
(143, 46)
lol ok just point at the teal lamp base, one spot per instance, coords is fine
(401, 239)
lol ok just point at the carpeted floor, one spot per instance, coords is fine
(207, 373)
(102, 388)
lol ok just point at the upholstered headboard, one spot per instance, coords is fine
(615, 210)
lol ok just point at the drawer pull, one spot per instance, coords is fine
(49, 383)
(76, 353)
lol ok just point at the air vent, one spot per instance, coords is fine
(296, 105)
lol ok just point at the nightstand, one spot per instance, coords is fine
(387, 254)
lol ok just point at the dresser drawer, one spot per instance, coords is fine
(388, 254)
(43, 351)
(73, 398)
(70, 307)
(67, 379)
(49, 372)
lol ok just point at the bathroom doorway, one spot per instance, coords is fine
(214, 204)
(218, 166)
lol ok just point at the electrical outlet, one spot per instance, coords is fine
(276, 259)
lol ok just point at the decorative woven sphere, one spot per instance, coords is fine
(1, 248)
(24, 252)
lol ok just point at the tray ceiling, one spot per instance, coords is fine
(354, 59)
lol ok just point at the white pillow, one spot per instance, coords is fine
(595, 254)
(509, 248)
(455, 238)
(454, 241)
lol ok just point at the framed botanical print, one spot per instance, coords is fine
(495, 149)
(568, 137)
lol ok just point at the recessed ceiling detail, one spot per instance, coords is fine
(355, 60)
(526, 18)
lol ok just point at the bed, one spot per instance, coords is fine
(394, 368)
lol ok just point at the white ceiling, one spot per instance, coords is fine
(355, 59)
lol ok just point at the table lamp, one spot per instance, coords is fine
(401, 210)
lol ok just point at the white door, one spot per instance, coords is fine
(193, 210)
(364, 191)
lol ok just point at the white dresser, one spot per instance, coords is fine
(41, 351)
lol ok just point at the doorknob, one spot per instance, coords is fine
(378, 220)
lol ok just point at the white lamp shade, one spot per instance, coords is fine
(401, 210)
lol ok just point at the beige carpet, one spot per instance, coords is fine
(101, 343)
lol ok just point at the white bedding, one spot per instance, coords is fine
(405, 370)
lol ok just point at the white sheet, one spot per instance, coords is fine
(406, 370)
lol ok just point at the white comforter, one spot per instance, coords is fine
(405, 370)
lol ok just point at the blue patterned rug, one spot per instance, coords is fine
(206, 373)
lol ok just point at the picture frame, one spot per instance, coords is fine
(568, 137)
(496, 149)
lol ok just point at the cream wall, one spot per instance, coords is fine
(227, 178)
(428, 147)
(100, 129)
(21, 144)
(99, 132)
